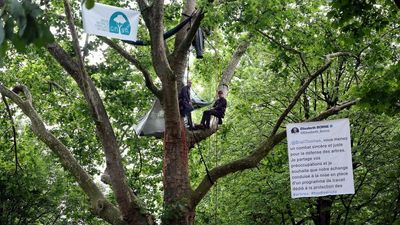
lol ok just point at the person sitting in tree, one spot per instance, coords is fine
(217, 110)
(185, 103)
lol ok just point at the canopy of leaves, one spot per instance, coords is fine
(289, 40)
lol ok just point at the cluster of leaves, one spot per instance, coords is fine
(381, 92)
(22, 23)
(266, 82)
(34, 189)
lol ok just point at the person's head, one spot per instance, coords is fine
(189, 83)
(220, 94)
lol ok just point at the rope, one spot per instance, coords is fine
(203, 160)
(216, 184)
(205, 165)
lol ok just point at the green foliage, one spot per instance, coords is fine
(23, 23)
(381, 92)
(34, 189)
(264, 84)
(89, 4)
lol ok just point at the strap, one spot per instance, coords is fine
(167, 34)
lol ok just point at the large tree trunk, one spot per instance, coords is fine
(177, 188)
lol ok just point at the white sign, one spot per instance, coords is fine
(320, 158)
(110, 21)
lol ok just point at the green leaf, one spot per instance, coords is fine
(32, 9)
(18, 13)
(19, 43)
(45, 36)
(16, 9)
(2, 32)
(3, 49)
(9, 27)
(31, 31)
(89, 4)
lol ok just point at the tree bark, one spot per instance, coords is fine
(323, 214)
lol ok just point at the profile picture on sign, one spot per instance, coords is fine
(294, 130)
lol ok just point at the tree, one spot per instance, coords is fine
(168, 65)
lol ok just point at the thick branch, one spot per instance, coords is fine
(253, 159)
(182, 48)
(128, 203)
(146, 74)
(230, 69)
(99, 204)
(153, 17)
(199, 135)
(189, 8)
(67, 62)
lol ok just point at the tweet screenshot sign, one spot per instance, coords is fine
(320, 158)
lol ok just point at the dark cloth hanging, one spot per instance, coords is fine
(198, 43)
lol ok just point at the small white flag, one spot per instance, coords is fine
(111, 21)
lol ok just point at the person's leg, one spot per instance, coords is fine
(189, 120)
(208, 118)
(205, 118)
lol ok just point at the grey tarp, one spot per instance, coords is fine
(152, 124)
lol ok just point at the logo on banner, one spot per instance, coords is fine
(119, 24)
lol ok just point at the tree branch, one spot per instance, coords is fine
(234, 62)
(14, 133)
(146, 74)
(189, 8)
(182, 48)
(128, 203)
(100, 205)
(153, 17)
(55, 84)
(288, 48)
(253, 159)
(199, 135)
(304, 87)
(74, 35)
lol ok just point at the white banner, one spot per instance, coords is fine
(320, 158)
(110, 21)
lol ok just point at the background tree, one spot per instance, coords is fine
(320, 60)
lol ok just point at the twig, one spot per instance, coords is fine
(14, 134)
(55, 84)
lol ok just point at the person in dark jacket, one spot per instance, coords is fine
(185, 103)
(217, 110)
